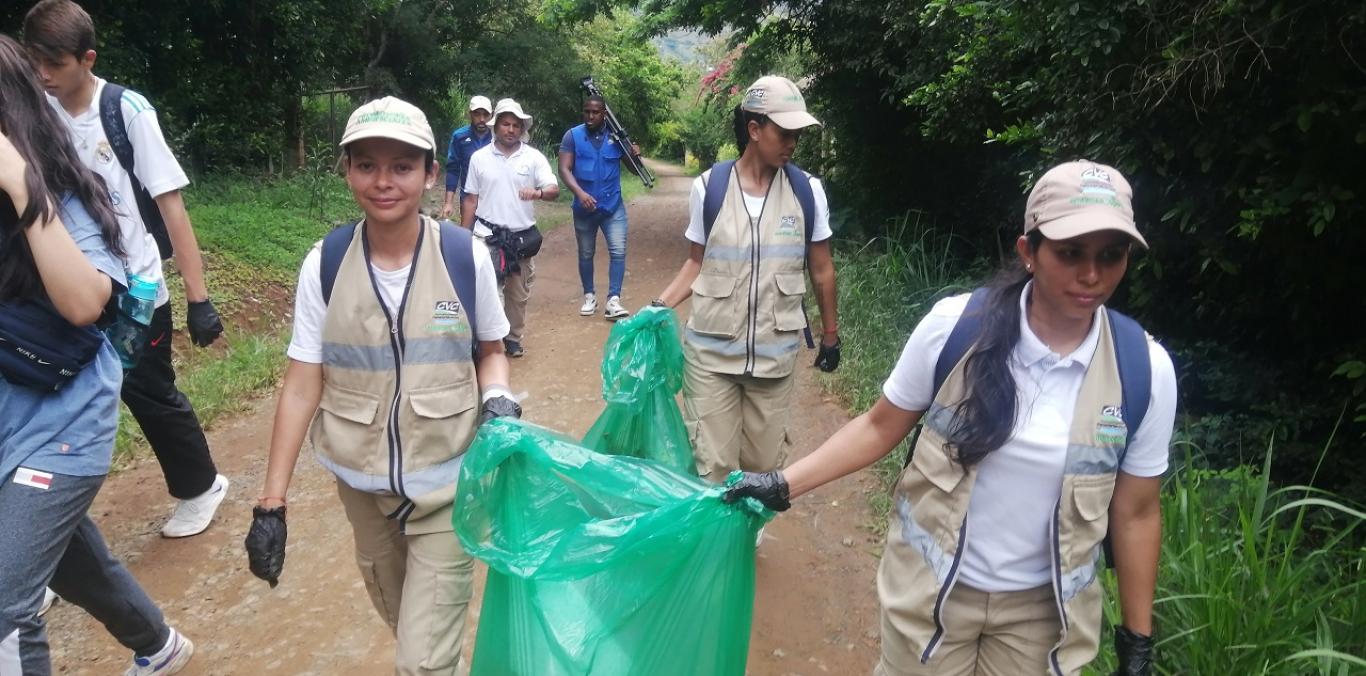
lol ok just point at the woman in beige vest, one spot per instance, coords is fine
(384, 382)
(747, 275)
(1023, 462)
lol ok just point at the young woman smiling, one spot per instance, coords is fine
(1024, 460)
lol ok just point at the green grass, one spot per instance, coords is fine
(1254, 579)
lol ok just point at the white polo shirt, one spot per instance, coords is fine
(496, 177)
(1019, 483)
(154, 163)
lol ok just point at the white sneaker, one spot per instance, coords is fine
(170, 659)
(614, 309)
(192, 516)
(590, 305)
(49, 597)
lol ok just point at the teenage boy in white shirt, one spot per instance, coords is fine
(61, 38)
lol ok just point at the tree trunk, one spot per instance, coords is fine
(294, 137)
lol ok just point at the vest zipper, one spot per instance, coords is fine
(754, 223)
(1056, 556)
(943, 596)
(397, 343)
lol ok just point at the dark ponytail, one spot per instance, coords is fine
(984, 420)
(742, 118)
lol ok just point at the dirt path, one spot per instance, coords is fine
(815, 607)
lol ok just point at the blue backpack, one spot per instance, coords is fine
(1131, 355)
(456, 251)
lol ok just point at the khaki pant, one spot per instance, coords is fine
(516, 290)
(735, 422)
(1000, 634)
(420, 584)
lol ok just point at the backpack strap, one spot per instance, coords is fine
(111, 118)
(335, 245)
(717, 183)
(960, 339)
(1135, 372)
(457, 250)
(116, 130)
(801, 187)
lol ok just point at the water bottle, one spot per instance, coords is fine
(128, 333)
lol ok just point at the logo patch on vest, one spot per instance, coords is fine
(1111, 429)
(787, 226)
(447, 318)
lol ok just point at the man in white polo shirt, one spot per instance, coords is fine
(502, 181)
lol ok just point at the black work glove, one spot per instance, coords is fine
(203, 322)
(770, 488)
(266, 543)
(498, 407)
(828, 357)
(1135, 653)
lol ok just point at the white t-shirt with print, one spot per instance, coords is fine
(154, 164)
(1019, 483)
(496, 178)
(309, 309)
(697, 234)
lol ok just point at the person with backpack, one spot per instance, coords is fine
(116, 135)
(464, 141)
(60, 263)
(757, 227)
(590, 164)
(1045, 422)
(505, 178)
(396, 359)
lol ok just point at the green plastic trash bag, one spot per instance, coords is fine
(642, 370)
(602, 565)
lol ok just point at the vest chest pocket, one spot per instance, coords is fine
(787, 307)
(445, 423)
(715, 310)
(345, 428)
(1091, 497)
(928, 485)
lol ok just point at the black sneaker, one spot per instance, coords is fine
(513, 348)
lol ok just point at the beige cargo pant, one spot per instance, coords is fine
(735, 422)
(986, 634)
(516, 290)
(420, 584)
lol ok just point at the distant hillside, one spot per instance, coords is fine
(683, 46)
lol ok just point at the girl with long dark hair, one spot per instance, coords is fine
(60, 263)
(1025, 459)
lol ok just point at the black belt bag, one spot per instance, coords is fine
(519, 244)
(40, 349)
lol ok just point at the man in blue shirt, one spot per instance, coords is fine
(590, 166)
(464, 141)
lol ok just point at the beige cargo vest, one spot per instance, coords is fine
(398, 406)
(929, 518)
(747, 301)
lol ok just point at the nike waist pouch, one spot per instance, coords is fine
(40, 349)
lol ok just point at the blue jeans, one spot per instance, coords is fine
(613, 226)
(46, 539)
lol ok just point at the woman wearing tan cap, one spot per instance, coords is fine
(1046, 420)
(758, 225)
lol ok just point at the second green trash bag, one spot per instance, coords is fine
(602, 565)
(642, 370)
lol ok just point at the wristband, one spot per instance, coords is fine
(494, 391)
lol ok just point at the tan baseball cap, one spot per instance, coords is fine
(779, 99)
(481, 103)
(1078, 197)
(389, 118)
